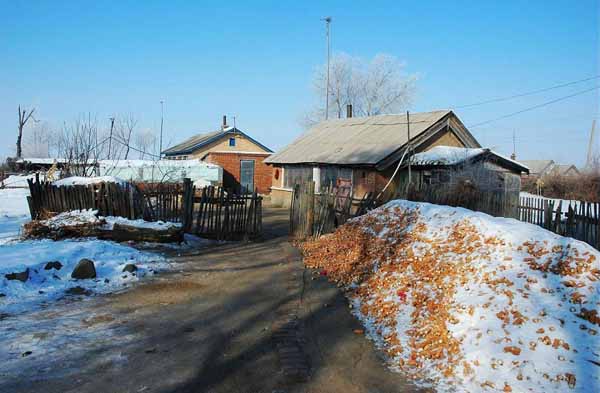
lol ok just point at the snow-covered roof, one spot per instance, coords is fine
(84, 181)
(451, 155)
(42, 161)
(153, 163)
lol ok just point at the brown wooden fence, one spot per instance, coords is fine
(576, 219)
(213, 212)
(208, 212)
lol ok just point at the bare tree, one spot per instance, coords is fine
(145, 142)
(24, 117)
(78, 143)
(124, 131)
(38, 142)
(372, 88)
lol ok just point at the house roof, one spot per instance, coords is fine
(198, 141)
(450, 155)
(562, 169)
(365, 140)
(537, 166)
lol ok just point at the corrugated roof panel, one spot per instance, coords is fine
(365, 140)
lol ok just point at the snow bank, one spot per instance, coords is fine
(14, 212)
(17, 181)
(469, 302)
(139, 223)
(46, 285)
(80, 217)
(79, 180)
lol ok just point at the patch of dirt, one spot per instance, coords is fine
(97, 319)
(159, 293)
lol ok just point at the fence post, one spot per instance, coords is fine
(188, 204)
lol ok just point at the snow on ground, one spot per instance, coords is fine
(47, 285)
(469, 302)
(79, 180)
(17, 181)
(79, 217)
(14, 212)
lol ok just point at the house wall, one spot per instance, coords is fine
(230, 162)
(242, 144)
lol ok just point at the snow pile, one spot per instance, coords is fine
(470, 302)
(84, 181)
(85, 217)
(73, 218)
(14, 212)
(46, 285)
(18, 181)
(139, 223)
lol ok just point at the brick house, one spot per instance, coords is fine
(241, 157)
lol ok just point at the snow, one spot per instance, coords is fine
(139, 223)
(79, 217)
(565, 202)
(43, 285)
(470, 302)
(445, 155)
(79, 180)
(17, 181)
(451, 155)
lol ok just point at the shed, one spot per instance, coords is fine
(362, 152)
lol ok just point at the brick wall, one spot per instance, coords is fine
(230, 162)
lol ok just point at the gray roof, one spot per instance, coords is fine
(359, 140)
(562, 169)
(537, 166)
(196, 142)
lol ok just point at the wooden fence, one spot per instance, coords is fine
(213, 212)
(576, 219)
(209, 212)
(313, 214)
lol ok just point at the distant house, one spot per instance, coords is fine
(487, 170)
(362, 152)
(538, 168)
(565, 170)
(241, 157)
(541, 168)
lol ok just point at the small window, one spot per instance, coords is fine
(231, 141)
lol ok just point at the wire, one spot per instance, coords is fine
(526, 94)
(533, 107)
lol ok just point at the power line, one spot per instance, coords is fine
(499, 99)
(534, 107)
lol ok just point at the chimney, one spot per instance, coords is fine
(349, 111)
(224, 126)
(513, 156)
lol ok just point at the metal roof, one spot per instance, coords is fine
(196, 142)
(358, 140)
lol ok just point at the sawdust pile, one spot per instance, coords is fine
(467, 301)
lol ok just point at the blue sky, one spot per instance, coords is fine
(255, 61)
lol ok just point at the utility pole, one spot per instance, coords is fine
(162, 115)
(112, 126)
(327, 23)
(514, 153)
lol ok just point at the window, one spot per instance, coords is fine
(335, 176)
(232, 142)
(293, 175)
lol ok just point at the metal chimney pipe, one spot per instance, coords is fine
(224, 121)
(349, 111)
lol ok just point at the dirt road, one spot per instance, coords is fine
(233, 318)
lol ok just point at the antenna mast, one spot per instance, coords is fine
(590, 151)
(327, 23)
